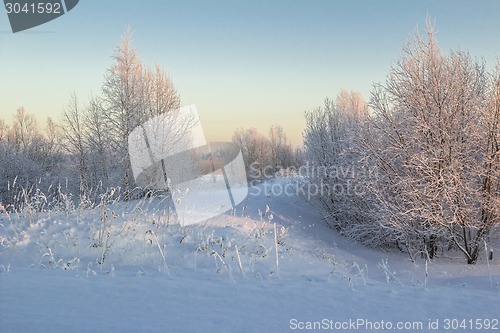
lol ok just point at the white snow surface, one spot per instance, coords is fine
(154, 275)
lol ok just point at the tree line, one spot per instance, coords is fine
(85, 154)
(265, 156)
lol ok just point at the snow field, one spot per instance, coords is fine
(150, 274)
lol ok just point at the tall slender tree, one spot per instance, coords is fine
(73, 125)
(123, 101)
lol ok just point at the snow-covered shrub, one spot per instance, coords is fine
(351, 273)
(390, 276)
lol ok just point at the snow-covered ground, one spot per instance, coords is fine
(141, 272)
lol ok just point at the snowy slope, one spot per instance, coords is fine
(223, 276)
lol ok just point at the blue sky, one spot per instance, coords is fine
(243, 63)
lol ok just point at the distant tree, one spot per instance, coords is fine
(256, 150)
(4, 130)
(24, 132)
(52, 144)
(266, 155)
(26, 137)
(30, 157)
(281, 150)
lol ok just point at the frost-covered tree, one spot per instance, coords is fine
(87, 141)
(132, 94)
(51, 146)
(434, 146)
(159, 94)
(73, 125)
(4, 128)
(122, 96)
(265, 155)
(24, 132)
(97, 136)
(425, 158)
(256, 150)
(281, 149)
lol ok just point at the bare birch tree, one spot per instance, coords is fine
(98, 138)
(73, 125)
